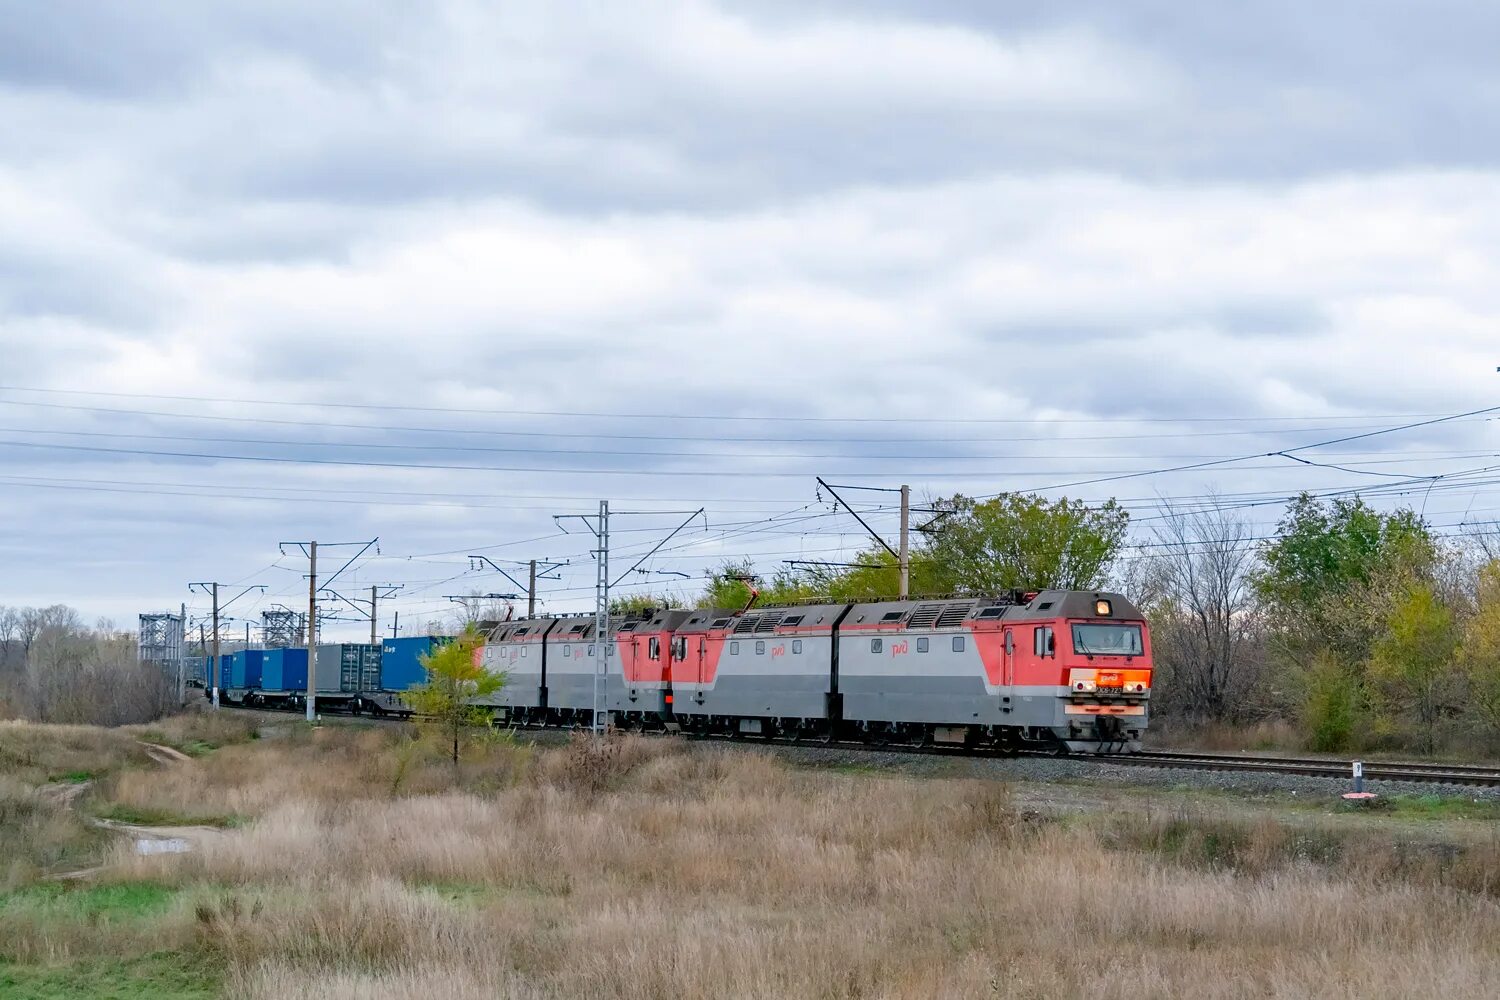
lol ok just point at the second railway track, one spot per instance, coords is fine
(1450, 774)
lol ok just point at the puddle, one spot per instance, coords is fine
(173, 845)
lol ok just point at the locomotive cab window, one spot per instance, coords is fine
(1108, 640)
(1044, 643)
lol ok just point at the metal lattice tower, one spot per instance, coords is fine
(282, 629)
(161, 639)
(162, 645)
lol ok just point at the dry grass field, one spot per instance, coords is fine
(350, 862)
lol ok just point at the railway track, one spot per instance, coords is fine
(1450, 774)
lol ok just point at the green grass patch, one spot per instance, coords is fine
(198, 748)
(1441, 807)
(160, 976)
(146, 816)
(72, 778)
(58, 901)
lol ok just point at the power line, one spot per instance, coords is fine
(715, 437)
(668, 416)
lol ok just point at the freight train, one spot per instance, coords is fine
(1067, 671)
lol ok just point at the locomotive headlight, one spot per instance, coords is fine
(1135, 687)
(1103, 608)
(1085, 687)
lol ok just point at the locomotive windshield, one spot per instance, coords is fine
(1108, 640)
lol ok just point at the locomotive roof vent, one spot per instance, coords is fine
(893, 616)
(954, 614)
(793, 620)
(768, 622)
(746, 623)
(994, 612)
(721, 623)
(925, 615)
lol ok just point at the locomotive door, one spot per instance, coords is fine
(631, 675)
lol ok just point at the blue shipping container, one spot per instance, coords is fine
(284, 670)
(221, 679)
(245, 669)
(401, 661)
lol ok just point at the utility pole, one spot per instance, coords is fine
(310, 549)
(312, 631)
(905, 557)
(396, 626)
(601, 621)
(374, 636)
(213, 675)
(599, 525)
(182, 660)
(218, 674)
(539, 570)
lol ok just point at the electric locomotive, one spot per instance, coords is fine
(1057, 670)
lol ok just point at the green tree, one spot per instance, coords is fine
(729, 587)
(641, 603)
(1414, 660)
(1011, 542)
(1024, 542)
(1479, 654)
(1335, 570)
(455, 680)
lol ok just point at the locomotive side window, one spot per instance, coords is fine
(734, 649)
(653, 649)
(760, 649)
(875, 645)
(1044, 644)
(958, 644)
(796, 646)
(591, 649)
(922, 644)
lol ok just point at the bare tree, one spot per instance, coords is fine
(1206, 623)
(74, 674)
(10, 625)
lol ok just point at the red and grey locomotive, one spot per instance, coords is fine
(1061, 670)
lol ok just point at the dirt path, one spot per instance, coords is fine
(164, 755)
(148, 839)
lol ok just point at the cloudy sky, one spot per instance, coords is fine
(438, 272)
